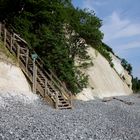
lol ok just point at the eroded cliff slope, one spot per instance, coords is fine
(105, 81)
(11, 76)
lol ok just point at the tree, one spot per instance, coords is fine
(43, 25)
(10, 8)
(136, 84)
(126, 66)
(86, 25)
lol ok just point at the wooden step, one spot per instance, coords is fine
(63, 102)
(43, 76)
(68, 107)
(61, 99)
(59, 96)
(63, 105)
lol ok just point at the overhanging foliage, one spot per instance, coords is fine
(41, 23)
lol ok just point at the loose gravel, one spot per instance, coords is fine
(93, 120)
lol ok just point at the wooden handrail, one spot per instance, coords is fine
(18, 37)
(63, 90)
(56, 84)
(40, 62)
(23, 52)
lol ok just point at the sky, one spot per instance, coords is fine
(121, 27)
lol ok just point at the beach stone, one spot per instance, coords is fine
(21, 119)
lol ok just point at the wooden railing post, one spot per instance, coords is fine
(11, 42)
(36, 73)
(56, 99)
(5, 37)
(27, 59)
(46, 87)
(18, 52)
(34, 76)
(34, 57)
(0, 30)
(70, 100)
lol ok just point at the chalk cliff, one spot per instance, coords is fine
(105, 81)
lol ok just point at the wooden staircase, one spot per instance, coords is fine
(43, 82)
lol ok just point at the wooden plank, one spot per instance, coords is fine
(27, 59)
(18, 37)
(15, 45)
(18, 53)
(41, 73)
(21, 54)
(46, 97)
(40, 80)
(8, 34)
(39, 89)
(8, 46)
(57, 102)
(8, 41)
(11, 42)
(60, 88)
(5, 37)
(49, 100)
(52, 86)
(55, 79)
(46, 87)
(126, 102)
(34, 76)
(23, 50)
(0, 30)
(27, 74)
(46, 83)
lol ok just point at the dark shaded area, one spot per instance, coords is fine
(136, 85)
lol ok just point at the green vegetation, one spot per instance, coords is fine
(55, 29)
(105, 50)
(126, 66)
(6, 54)
(136, 85)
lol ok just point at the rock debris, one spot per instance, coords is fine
(92, 120)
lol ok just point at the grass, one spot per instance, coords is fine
(6, 55)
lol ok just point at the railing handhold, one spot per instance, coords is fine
(44, 82)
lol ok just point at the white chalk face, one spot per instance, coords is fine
(117, 65)
(14, 84)
(104, 81)
(12, 78)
